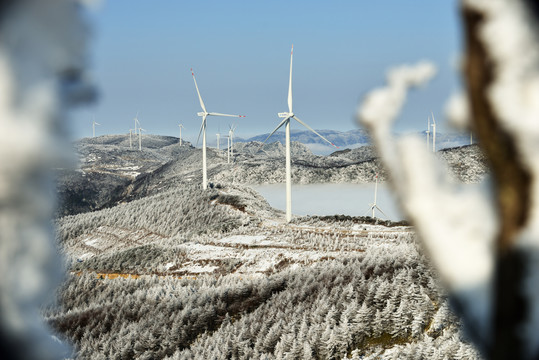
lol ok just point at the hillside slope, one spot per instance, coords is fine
(218, 274)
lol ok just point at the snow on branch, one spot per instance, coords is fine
(42, 58)
(485, 242)
(456, 225)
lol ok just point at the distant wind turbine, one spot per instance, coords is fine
(130, 138)
(228, 149)
(218, 140)
(287, 116)
(93, 127)
(433, 133)
(373, 206)
(231, 129)
(140, 130)
(428, 133)
(181, 127)
(204, 114)
(136, 122)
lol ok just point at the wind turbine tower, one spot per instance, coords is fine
(231, 130)
(428, 133)
(131, 138)
(287, 116)
(373, 205)
(204, 114)
(218, 140)
(433, 134)
(228, 149)
(93, 127)
(135, 119)
(140, 130)
(181, 127)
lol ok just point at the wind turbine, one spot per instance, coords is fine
(140, 130)
(286, 121)
(373, 206)
(228, 149)
(135, 119)
(181, 127)
(433, 133)
(93, 127)
(231, 129)
(428, 133)
(204, 114)
(130, 138)
(218, 140)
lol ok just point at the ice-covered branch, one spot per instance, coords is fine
(485, 244)
(42, 58)
(456, 225)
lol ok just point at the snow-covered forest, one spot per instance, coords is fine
(217, 274)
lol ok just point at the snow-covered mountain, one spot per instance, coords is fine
(112, 172)
(339, 138)
(348, 139)
(148, 250)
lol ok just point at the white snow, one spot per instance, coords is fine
(246, 240)
(198, 269)
(93, 242)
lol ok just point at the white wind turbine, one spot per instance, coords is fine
(93, 127)
(204, 114)
(373, 206)
(181, 127)
(135, 119)
(228, 149)
(231, 129)
(428, 133)
(286, 121)
(131, 138)
(140, 130)
(433, 133)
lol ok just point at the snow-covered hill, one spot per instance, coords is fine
(112, 172)
(210, 274)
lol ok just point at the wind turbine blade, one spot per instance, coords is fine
(290, 82)
(219, 114)
(381, 211)
(97, 123)
(201, 128)
(273, 132)
(370, 209)
(314, 131)
(198, 92)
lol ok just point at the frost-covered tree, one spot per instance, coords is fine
(42, 75)
(484, 242)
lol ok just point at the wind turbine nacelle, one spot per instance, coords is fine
(200, 114)
(283, 115)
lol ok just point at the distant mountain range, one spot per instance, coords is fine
(347, 139)
(339, 138)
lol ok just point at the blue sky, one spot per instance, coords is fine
(142, 52)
